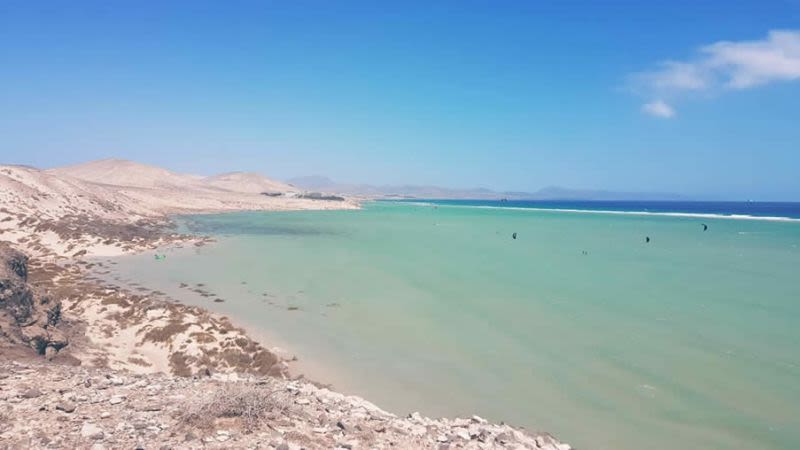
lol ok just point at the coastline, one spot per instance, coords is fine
(113, 331)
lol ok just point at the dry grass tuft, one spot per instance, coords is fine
(247, 402)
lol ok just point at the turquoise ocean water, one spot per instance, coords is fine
(578, 327)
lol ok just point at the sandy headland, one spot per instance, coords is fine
(67, 337)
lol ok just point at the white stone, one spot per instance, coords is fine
(478, 419)
(91, 431)
(418, 430)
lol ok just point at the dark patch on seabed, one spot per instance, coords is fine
(237, 229)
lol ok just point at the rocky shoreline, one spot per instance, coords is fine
(56, 406)
(77, 400)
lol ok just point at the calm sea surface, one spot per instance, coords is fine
(578, 326)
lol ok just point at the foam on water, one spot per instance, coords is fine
(628, 213)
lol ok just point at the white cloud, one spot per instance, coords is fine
(658, 109)
(675, 75)
(752, 63)
(720, 66)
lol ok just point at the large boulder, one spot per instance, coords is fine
(27, 316)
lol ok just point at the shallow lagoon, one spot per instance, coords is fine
(577, 327)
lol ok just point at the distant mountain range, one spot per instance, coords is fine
(325, 184)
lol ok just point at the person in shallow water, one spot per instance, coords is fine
(705, 227)
(647, 239)
(514, 235)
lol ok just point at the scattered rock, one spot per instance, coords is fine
(190, 412)
(91, 431)
(478, 419)
(31, 393)
(66, 406)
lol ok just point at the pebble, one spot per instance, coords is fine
(31, 393)
(91, 431)
(66, 406)
(117, 399)
(418, 430)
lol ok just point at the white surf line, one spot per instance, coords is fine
(628, 213)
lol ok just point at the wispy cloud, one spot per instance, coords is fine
(658, 109)
(724, 65)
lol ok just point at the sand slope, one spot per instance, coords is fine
(29, 191)
(62, 211)
(246, 182)
(123, 173)
(120, 172)
(119, 189)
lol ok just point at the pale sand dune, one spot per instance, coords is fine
(246, 182)
(29, 191)
(118, 189)
(58, 211)
(120, 172)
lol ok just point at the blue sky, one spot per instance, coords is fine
(696, 98)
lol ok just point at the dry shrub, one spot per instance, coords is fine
(248, 402)
(165, 333)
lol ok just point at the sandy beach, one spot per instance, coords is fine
(56, 223)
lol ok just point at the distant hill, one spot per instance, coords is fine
(121, 190)
(246, 182)
(325, 184)
(124, 173)
(120, 172)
